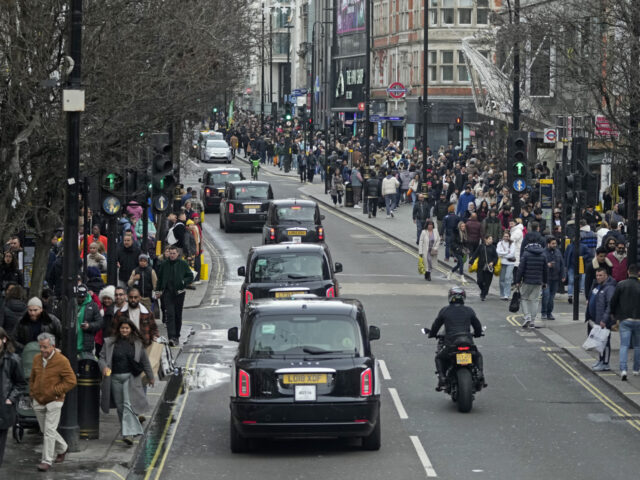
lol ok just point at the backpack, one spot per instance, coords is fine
(171, 237)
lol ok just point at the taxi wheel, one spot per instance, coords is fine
(220, 222)
(239, 444)
(374, 440)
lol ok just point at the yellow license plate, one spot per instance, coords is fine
(221, 190)
(304, 378)
(463, 358)
(252, 206)
(296, 232)
(287, 294)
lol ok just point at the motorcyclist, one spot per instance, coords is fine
(457, 319)
(254, 158)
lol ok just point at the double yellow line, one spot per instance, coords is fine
(604, 399)
(192, 361)
(512, 320)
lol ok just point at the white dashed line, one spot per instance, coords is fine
(398, 403)
(384, 370)
(424, 458)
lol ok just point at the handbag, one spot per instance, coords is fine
(514, 304)
(135, 367)
(421, 269)
(409, 192)
(8, 416)
(497, 267)
(474, 266)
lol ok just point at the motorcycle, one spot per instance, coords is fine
(462, 375)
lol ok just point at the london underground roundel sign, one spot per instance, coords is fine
(396, 90)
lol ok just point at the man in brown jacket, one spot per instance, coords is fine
(51, 378)
(140, 315)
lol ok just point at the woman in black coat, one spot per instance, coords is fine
(12, 384)
(487, 258)
(9, 272)
(14, 307)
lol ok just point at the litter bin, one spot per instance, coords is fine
(88, 398)
(348, 194)
(287, 163)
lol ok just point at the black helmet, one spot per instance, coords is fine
(457, 295)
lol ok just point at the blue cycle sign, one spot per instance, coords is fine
(519, 185)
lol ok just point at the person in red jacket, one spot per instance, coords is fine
(618, 259)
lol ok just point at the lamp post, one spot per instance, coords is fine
(425, 97)
(367, 85)
(313, 76)
(262, 76)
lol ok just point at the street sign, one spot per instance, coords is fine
(288, 123)
(303, 91)
(361, 106)
(374, 118)
(519, 185)
(396, 90)
(550, 135)
(297, 92)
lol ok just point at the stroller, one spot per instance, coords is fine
(25, 415)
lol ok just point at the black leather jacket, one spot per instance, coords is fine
(12, 382)
(456, 319)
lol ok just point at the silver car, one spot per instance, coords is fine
(216, 151)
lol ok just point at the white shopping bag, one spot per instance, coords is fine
(597, 339)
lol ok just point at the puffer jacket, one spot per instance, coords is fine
(600, 296)
(390, 185)
(474, 231)
(12, 311)
(12, 382)
(491, 226)
(22, 332)
(533, 268)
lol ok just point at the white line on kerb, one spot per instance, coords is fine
(422, 455)
(384, 370)
(396, 401)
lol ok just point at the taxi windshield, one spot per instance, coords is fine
(305, 335)
(299, 213)
(252, 192)
(220, 178)
(278, 267)
(216, 144)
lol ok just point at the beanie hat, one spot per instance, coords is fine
(34, 302)
(143, 256)
(108, 292)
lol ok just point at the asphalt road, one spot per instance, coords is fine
(542, 416)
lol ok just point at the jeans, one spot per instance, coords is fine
(337, 198)
(388, 202)
(459, 265)
(447, 240)
(173, 304)
(372, 205)
(120, 394)
(294, 161)
(419, 225)
(414, 197)
(570, 282)
(506, 277)
(629, 329)
(48, 418)
(484, 279)
(548, 294)
(357, 195)
(530, 300)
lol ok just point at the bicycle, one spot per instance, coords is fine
(255, 167)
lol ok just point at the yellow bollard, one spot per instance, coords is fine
(581, 266)
(158, 248)
(204, 272)
(202, 216)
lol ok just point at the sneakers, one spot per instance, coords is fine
(602, 367)
(357, 206)
(597, 364)
(392, 214)
(527, 323)
(550, 317)
(388, 216)
(623, 375)
(449, 275)
(128, 440)
(462, 279)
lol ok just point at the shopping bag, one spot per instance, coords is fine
(474, 266)
(497, 267)
(409, 192)
(597, 339)
(514, 305)
(154, 352)
(421, 269)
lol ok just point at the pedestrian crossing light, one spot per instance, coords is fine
(288, 116)
(111, 192)
(215, 109)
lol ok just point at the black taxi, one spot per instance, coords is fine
(304, 368)
(293, 220)
(213, 182)
(245, 205)
(280, 271)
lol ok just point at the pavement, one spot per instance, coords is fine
(565, 333)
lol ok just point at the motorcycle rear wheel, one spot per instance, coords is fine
(465, 390)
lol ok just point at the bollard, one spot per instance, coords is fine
(89, 398)
(348, 194)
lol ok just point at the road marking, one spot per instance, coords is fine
(512, 320)
(384, 370)
(112, 472)
(177, 423)
(422, 455)
(604, 399)
(165, 431)
(398, 403)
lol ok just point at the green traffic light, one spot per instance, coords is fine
(215, 110)
(288, 116)
(111, 179)
(142, 134)
(519, 168)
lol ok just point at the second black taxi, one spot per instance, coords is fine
(293, 220)
(213, 185)
(244, 205)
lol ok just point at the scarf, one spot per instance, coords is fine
(81, 310)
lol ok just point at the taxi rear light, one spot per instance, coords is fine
(249, 422)
(231, 208)
(320, 233)
(331, 292)
(366, 383)
(361, 420)
(248, 296)
(463, 348)
(272, 234)
(207, 192)
(244, 387)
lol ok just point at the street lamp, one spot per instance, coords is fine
(425, 98)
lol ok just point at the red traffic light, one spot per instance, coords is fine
(361, 106)
(310, 120)
(458, 120)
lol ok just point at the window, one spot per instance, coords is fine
(463, 74)
(448, 10)
(447, 66)
(417, 61)
(465, 7)
(482, 12)
(433, 69)
(433, 12)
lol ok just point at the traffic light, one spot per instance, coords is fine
(163, 180)
(215, 109)
(459, 123)
(287, 111)
(517, 157)
(303, 111)
(111, 192)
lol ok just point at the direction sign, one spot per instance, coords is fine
(297, 92)
(303, 91)
(374, 118)
(550, 135)
(396, 90)
(519, 185)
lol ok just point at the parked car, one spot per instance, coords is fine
(216, 151)
(280, 271)
(304, 368)
(293, 220)
(213, 183)
(245, 205)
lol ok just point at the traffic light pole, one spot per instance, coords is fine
(68, 426)
(563, 192)
(576, 151)
(515, 197)
(112, 251)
